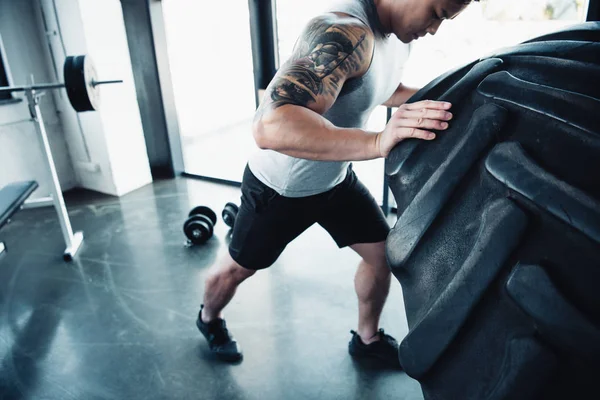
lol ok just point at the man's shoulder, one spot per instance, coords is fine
(338, 39)
(341, 22)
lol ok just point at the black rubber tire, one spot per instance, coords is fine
(497, 243)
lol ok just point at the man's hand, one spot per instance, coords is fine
(414, 121)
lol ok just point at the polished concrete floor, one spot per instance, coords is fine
(118, 322)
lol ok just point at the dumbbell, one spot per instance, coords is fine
(199, 226)
(229, 214)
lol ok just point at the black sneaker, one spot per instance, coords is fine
(219, 340)
(384, 350)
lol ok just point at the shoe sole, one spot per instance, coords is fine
(359, 354)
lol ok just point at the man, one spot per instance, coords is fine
(309, 129)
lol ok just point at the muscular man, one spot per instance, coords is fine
(309, 128)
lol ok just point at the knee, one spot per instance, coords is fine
(378, 269)
(381, 266)
(230, 271)
(239, 273)
(373, 254)
(378, 258)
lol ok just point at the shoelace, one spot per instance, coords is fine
(218, 330)
(382, 336)
(387, 338)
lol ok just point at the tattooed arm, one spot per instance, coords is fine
(332, 49)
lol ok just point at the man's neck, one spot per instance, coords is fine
(384, 14)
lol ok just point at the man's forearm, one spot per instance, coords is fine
(401, 96)
(303, 133)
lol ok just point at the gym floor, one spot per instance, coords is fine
(118, 322)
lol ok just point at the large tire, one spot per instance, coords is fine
(497, 243)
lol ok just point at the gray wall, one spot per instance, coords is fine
(26, 53)
(148, 50)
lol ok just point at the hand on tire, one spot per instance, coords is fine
(414, 121)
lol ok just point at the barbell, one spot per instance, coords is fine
(80, 81)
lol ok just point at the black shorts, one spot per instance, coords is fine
(267, 222)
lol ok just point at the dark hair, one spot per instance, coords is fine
(373, 18)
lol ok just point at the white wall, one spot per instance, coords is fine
(114, 133)
(83, 131)
(103, 151)
(25, 54)
(120, 113)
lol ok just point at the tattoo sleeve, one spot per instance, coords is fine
(326, 55)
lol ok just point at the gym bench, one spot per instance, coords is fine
(12, 198)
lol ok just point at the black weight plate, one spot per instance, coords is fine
(228, 218)
(93, 91)
(229, 214)
(203, 210)
(232, 206)
(198, 229)
(75, 83)
(206, 220)
(79, 73)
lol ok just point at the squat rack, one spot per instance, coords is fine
(81, 85)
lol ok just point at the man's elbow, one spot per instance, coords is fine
(261, 134)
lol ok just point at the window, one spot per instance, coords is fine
(485, 27)
(3, 75)
(213, 82)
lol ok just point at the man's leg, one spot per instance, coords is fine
(266, 222)
(221, 285)
(219, 288)
(372, 285)
(353, 218)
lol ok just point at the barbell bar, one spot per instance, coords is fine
(80, 81)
